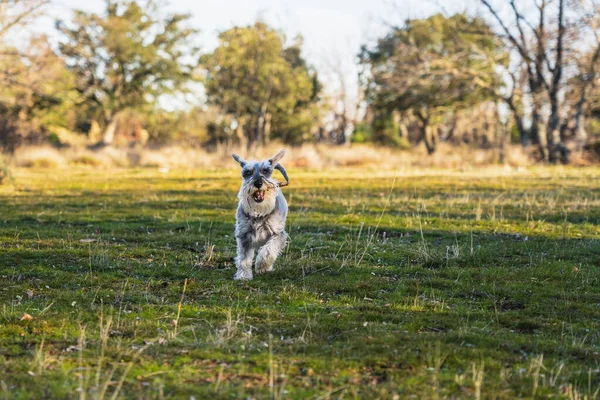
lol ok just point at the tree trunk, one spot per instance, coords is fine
(340, 136)
(267, 129)
(557, 151)
(259, 128)
(109, 132)
(580, 131)
(501, 137)
(403, 130)
(260, 125)
(428, 133)
(321, 134)
(538, 129)
(430, 137)
(239, 132)
(581, 134)
(553, 134)
(523, 136)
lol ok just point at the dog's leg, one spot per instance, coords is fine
(269, 252)
(243, 260)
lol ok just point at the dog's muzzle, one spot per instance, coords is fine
(258, 196)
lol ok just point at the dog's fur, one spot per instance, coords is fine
(260, 218)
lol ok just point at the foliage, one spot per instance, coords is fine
(35, 93)
(185, 127)
(434, 66)
(127, 57)
(267, 87)
(386, 131)
(31, 78)
(363, 133)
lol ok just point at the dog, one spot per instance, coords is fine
(260, 217)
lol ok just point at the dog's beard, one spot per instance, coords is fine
(258, 202)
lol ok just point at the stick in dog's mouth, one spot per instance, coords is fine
(259, 195)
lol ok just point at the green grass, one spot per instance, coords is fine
(429, 283)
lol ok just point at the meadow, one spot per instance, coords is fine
(411, 283)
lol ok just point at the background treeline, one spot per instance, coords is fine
(518, 72)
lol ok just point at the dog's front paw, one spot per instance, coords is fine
(262, 265)
(242, 275)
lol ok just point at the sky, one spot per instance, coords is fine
(325, 24)
(333, 30)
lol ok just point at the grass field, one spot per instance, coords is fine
(420, 283)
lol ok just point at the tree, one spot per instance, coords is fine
(585, 81)
(432, 67)
(541, 48)
(34, 94)
(127, 58)
(267, 87)
(343, 101)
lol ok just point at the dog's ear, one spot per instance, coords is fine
(239, 159)
(278, 156)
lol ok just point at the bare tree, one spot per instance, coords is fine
(344, 99)
(590, 11)
(555, 146)
(542, 53)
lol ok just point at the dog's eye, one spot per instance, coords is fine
(247, 173)
(266, 171)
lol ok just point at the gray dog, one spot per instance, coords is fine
(261, 214)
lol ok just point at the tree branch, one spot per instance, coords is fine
(16, 20)
(520, 47)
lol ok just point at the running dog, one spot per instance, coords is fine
(261, 215)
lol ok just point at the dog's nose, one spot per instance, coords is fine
(258, 184)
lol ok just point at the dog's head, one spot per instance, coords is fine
(259, 190)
